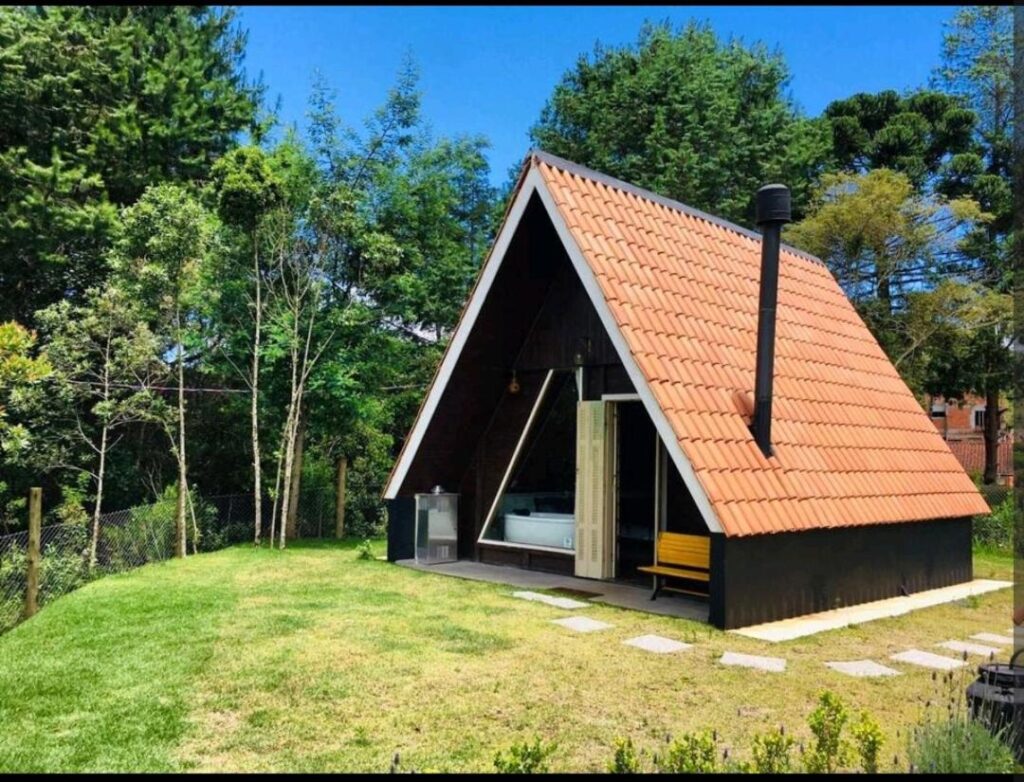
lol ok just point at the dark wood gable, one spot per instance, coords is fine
(537, 316)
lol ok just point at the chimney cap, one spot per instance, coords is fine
(772, 205)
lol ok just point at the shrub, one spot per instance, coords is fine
(867, 737)
(771, 752)
(692, 753)
(996, 530)
(826, 722)
(146, 536)
(626, 759)
(524, 758)
(958, 746)
(365, 550)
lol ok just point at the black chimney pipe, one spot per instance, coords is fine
(772, 210)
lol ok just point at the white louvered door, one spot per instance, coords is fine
(594, 539)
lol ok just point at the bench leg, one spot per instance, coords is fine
(657, 588)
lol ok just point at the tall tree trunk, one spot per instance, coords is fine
(884, 292)
(257, 489)
(180, 525)
(277, 493)
(339, 507)
(991, 436)
(294, 403)
(286, 477)
(101, 472)
(97, 511)
(292, 525)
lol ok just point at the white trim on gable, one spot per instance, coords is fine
(534, 183)
(661, 423)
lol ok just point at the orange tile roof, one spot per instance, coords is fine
(852, 446)
(971, 454)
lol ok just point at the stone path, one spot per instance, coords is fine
(863, 668)
(994, 638)
(551, 600)
(774, 664)
(969, 648)
(928, 660)
(581, 624)
(657, 644)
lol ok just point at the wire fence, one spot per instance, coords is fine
(137, 536)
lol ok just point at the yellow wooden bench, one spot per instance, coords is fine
(680, 556)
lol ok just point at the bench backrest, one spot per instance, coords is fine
(690, 550)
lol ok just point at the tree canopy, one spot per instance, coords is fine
(689, 116)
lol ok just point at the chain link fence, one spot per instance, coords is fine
(127, 539)
(134, 537)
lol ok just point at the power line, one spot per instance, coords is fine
(189, 389)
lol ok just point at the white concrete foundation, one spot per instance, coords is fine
(798, 627)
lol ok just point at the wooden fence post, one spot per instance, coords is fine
(35, 523)
(339, 507)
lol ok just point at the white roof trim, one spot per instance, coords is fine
(458, 340)
(661, 423)
(534, 183)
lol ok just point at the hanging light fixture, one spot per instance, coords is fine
(513, 384)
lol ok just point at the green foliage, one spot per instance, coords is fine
(62, 569)
(626, 759)
(958, 746)
(18, 371)
(898, 255)
(524, 758)
(996, 529)
(918, 134)
(365, 550)
(831, 750)
(681, 112)
(771, 752)
(97, 103)
(246, 186)
(691, 753)
(147, 535)
(868, 740)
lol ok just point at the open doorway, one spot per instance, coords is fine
(636, 450)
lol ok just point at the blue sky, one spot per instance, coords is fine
(489, 70)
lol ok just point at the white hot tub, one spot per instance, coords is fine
(554, 530)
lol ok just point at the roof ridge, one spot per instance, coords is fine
(649, 195)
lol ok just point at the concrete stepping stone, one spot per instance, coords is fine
(964, 646)
(775, 664)
(581, 624)
(551, 600)
(863, 668)
(928, 660)
(657, 644)
(994, 638)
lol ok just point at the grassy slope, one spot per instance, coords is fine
(311, 660)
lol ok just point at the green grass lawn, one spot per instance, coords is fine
(313, 660)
